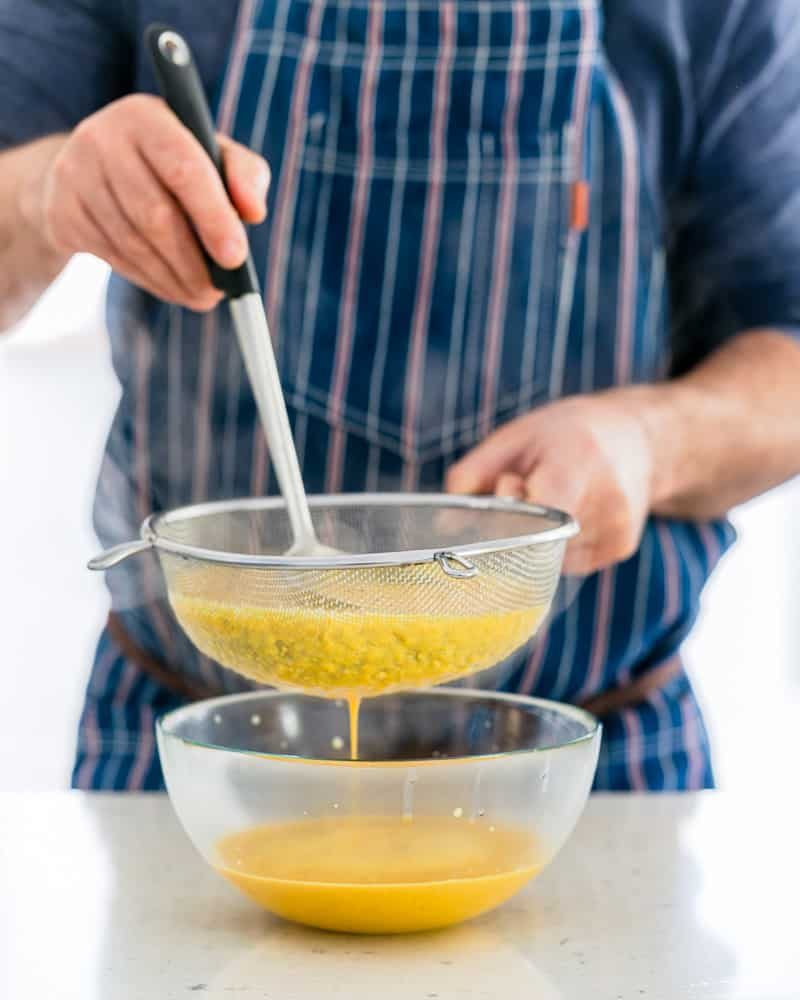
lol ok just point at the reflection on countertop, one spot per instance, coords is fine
(103, 898)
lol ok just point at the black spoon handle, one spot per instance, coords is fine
(182, 89)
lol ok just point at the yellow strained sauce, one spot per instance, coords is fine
(378, 874)
(324, 652)
(353, 710)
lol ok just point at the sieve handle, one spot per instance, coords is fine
(119, 553)
(456, 566)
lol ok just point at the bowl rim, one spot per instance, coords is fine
(593, 725)
(561, 528)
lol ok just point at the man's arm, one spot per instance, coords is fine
(727, 431)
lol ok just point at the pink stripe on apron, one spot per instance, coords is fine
(119, 701)
(145, 749)
(151, 581)
(91, 738)
(534, 667)
(693, 744)
(284, 198)
(129, 675)
(665, 725)
(210, 322)
(692, 736)
(600, 637)
(347, 311)
(623, 361)
(233, 82)
(505, 212)
(202, 443)
(711, 545)
(633, 734)
(586, 62)
(430, 241)
(671, 573)
(225, 116)
(91, 725)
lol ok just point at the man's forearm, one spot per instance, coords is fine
(27, 264)
(727, 431)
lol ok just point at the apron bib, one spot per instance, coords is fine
(423, 156)
(457, 233)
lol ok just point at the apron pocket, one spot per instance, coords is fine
(420, 296)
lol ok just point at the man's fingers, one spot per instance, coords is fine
(92, 234)
(247, 176)
(580, 560)
(155, 215)
(479, 471)
(131, 252)
(551, 485)
(184, 168)
(510, 485)
(583, 559)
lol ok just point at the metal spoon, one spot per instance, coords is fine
(183, 91)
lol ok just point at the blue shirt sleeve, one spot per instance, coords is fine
(60, 60)
(735, 255)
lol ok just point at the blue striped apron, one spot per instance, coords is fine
(429, 275)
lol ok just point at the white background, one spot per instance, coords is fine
(57, 396)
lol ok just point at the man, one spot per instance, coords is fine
(540, 249)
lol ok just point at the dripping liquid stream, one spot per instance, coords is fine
(353, 706)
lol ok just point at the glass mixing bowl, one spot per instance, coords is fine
(458, 798)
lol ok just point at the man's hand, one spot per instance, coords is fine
(588, 455)
(691, 448)
(130, 184)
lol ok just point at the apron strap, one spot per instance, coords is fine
(635, 691)
(163, 675)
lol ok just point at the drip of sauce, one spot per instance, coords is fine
(353, 708)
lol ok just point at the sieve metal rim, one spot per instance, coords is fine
(564, 528)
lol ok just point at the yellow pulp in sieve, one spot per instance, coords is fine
(334, 654)
(345, 639)
(379, 875)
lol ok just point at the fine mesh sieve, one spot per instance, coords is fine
(432, 587)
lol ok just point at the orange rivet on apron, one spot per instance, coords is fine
(579, 211)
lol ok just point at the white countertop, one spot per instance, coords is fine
(660, 897)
